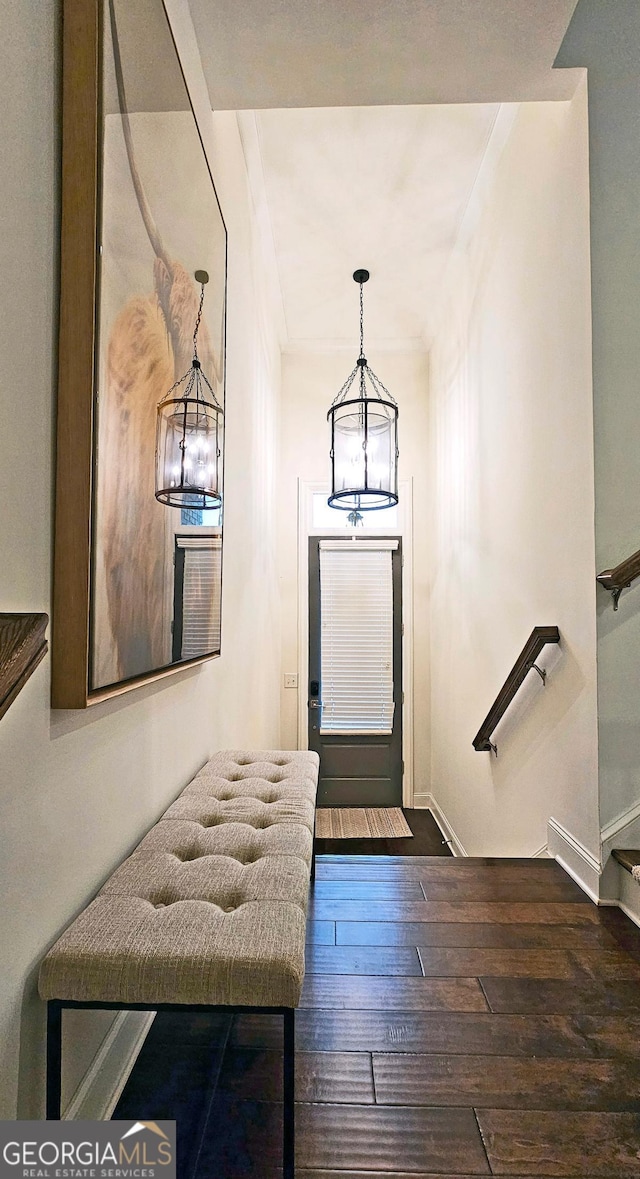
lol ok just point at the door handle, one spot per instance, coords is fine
(315, 703)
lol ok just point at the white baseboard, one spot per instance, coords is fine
(541, 854)
(421, 800)
(575, 858)
(427, 801)
(99, 1090)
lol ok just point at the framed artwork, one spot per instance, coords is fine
(137, 584)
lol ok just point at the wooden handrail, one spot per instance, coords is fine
(615, 580)
(22, 646)
(526, 662)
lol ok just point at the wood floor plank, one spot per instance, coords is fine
(533, 995)
(464, 911)
(321, 933)
(604, 964)
(245, 1142)
(437, 868)
(620, 926)
(466, 862)
(354, 1136)
(367, 890)
(544, 1143)
(535, 891)
(442, 962)
(314, 1173)
(355, 960)
(477, 934)
(399, 993)
(324, 1174)
(624, 932)
(610, 1035)
(506, 1082)
(338, 1077)
(441, 1032)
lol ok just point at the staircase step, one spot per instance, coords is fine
(628, 857)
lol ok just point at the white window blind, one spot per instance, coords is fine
(201, 594)
(356, 636)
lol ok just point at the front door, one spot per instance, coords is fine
(355, 669)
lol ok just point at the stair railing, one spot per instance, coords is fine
(538, 639)
(22, 646)
(615, 580)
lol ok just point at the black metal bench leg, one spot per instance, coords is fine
(288, 1120)
(54, 1059)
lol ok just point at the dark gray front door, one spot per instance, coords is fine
(355, 669)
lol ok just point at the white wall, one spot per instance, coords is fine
(512, 490)
(605, 37)
(78, 789)
(310, 381)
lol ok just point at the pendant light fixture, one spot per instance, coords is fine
(189, 436)
(364, 437)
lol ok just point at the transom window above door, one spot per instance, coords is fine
(325, 517)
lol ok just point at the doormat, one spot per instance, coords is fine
(352, 822)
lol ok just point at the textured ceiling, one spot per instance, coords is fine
(383, 188)
(292, 53)
(364, 124)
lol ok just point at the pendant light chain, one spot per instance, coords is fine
(378, 387)
(199, 317)
(380, 390)
(361, 359)
(193, 373)
(361, 322)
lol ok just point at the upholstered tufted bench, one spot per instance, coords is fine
(209, 911)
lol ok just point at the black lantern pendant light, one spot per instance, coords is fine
(364, 437)
(189, 436)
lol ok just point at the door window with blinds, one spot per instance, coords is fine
(197, 597)
(356, 636)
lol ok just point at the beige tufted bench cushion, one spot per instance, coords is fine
(211, 906)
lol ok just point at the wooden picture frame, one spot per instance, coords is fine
(78, 564)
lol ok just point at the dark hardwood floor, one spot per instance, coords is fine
(459, 1018)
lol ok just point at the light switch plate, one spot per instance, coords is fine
(290, 679)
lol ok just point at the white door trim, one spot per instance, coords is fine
(404, 527)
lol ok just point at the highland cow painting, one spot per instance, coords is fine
(158, 222)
